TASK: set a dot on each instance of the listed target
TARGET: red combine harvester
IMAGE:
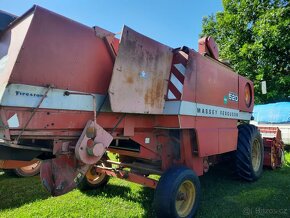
(69, 93)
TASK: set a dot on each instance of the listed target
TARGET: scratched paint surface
(140, 75)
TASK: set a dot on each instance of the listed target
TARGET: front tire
(177, 193)
(250, 153)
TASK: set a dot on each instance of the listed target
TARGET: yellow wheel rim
(185, 198)
(256, 155)
(93, 177)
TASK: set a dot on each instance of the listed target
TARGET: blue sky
(172, 22)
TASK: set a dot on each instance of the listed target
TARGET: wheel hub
(185, 198)
(181, 196)
(256, 155)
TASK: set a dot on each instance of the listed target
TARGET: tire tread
(244, 169)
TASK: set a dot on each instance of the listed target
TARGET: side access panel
(140, 76)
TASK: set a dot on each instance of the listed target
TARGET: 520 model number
(233, 97)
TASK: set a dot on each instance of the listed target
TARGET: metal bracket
(67, 93)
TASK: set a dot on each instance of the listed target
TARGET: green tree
(255, 36)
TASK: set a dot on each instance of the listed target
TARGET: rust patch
(129, 80)
(142, 83)
(154, 95)
(147, 97)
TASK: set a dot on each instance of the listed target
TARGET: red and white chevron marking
(178, 69)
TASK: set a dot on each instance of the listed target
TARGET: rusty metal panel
(59, 51)
(140, 76)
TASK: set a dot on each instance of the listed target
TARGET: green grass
(223, 196)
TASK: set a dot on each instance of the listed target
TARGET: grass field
(223, 196)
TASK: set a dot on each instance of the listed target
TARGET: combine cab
(69, 93)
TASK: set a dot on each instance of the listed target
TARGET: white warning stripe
(170, 95)
(173, 79)
(178, 85)
(181, 68)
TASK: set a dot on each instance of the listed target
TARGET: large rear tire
(177, 193)
(250, 153)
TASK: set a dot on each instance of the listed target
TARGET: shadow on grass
(225, 195)
(143, 196)
(16, 192)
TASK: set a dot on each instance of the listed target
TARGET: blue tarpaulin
(272, 113)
